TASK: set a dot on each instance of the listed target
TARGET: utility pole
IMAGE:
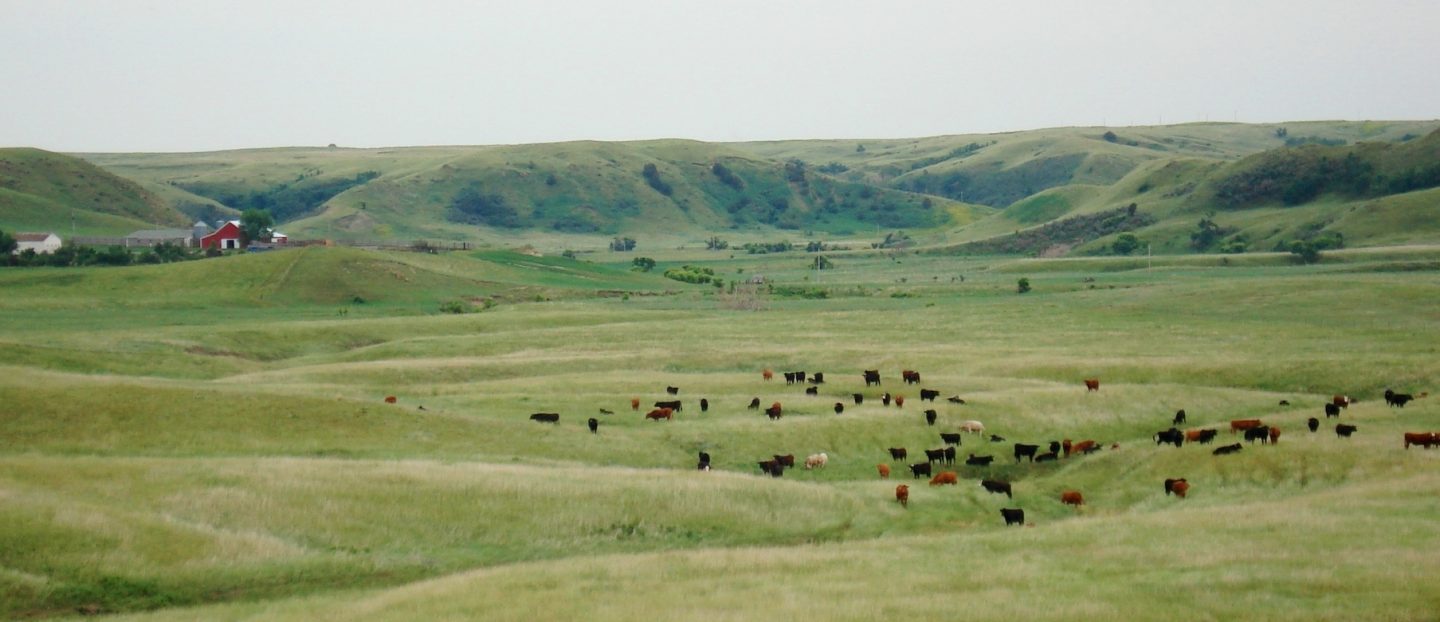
(1147, 256)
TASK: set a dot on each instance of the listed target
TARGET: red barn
(224, 238)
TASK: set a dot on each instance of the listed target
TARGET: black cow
(672, 405)
(1013, 516)
(789, 377)
(1284, 402)
(872, 376)
(1332, 410)
(1313, 424)
(839, 407)
(859, 398)
(1173, 436)
(1047, 457)
(935, 455)
(812, 391)
(950, 438)
(545, 417)
(1397, 399)
(950, 455)
(773, 413)
(1179, 417)
(1344, 430)
(705, 458)
(817, 378)
(930, 416)
(1021, 449)
(1054, 447)
(993, 486)
(754, 404)
(704, 405)
(1206, 436)
(594, 425)
(672, 390)
(606, 411)
(920, 468)
(955, 399)
(799, 376)
(885, 398)
(996, 438)
(772, 467)
(926, 395)
(1261, 433)
(975, 460)
(1228, 449)
(897, 453)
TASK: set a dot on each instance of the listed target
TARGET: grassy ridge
(43, 191)
(233, 448)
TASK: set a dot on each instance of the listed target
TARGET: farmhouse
(42, 243)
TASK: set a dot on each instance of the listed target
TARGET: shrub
(642, 264)
(1125, 244)
(1023, 285)
(456, 307)
(690, 274)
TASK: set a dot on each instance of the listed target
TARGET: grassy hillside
(209, 439)
(568, 188)
(43, 191)
(947, 190)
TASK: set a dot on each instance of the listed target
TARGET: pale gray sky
(190, 75)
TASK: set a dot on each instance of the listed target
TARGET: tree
(716, 244)
(1110, 137)
(821, 263)
(622, 244)
(1206, 234)
(254, 225)
(1023, 285)
(7, 245)
(1304, 251)
(652, 177)
(1125, 244)
(643, 264)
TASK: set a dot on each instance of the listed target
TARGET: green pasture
(210, 440)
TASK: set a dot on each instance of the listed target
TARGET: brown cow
(773, 411)
(884, 470)
(659, 413)
(1274, 435)
(1423, 439)
(899, 401)
(634, 403)
(788, 460)
(1072, 497)
(1177, 486)
(1092, 384)
(1082, 447)
(1342, 401)
(767, 374)
(945, 477)
(902, 494)
(389, 399)
(1244, 424)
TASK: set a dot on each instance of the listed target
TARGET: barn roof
(32, 237)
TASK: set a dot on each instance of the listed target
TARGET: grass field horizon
(210, 440)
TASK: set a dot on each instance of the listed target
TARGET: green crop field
(210, 439)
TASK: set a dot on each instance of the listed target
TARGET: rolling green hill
(1264, 183)
(44, 191)
(210, 439)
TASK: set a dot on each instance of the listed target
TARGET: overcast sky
(194, 75)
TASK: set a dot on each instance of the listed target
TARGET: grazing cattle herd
(1252, 429)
